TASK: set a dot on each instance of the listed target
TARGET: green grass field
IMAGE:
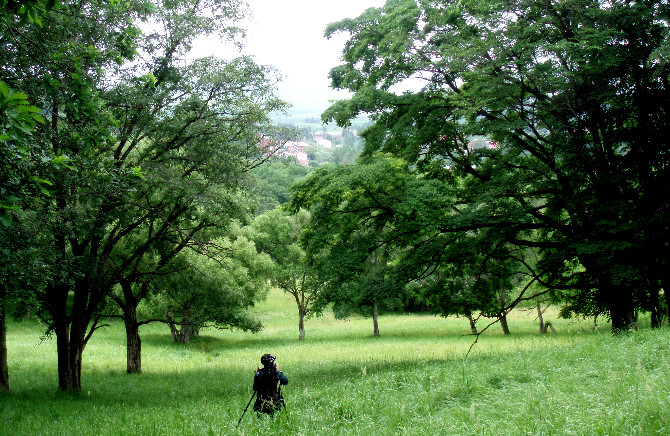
(413, 380)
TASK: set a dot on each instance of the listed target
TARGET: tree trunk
(621, 308)
(543, 328)
(65, 381)
(654, 302)
(174, 332)
(375, 320)
(301, 323)
(70, 352)
(186, 333)
(4, 369)
(503, 322)
(67, 361)
(77, 343)
(133, 342)
(183, 334)
(71, 331)
(473, 327)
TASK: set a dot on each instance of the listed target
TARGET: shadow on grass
(216, 383)
(188, 386)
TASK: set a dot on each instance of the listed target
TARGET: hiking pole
(283, 404)
(245, 409)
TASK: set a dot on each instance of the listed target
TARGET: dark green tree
(58, 78)
(270, 183)
(355, 231)
(203, 147)
(19, 178)
(572, 99)
(382, 232)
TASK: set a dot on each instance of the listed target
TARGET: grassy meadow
(413, 380)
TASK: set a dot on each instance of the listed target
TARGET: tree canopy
(157, 147)
(570, 99)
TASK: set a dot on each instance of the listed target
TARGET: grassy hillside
(413, 380)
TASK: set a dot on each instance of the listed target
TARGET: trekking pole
(283, 404)
(245, 409)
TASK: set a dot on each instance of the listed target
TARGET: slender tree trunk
(473, 326)
(77, 344)
(665, 284)
(301, 323)
(543, 328)
(375, 320)
(173, 329)
(57, 305)
(655, 308)
(503, 322)
(174, 332)
(63, 350)
(4, 369)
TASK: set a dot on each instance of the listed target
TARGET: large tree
(157, 146)
(572, 98)
(381, 231)
(195, 127)
(362, 215)
(56, 66)
(21, 164)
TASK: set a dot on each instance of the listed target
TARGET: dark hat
(268, 359)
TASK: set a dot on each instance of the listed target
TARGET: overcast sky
(288, 34)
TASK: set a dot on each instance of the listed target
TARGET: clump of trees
(137, 156)
(530, 157)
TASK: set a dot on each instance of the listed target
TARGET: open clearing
(414, 380)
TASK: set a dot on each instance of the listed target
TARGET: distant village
(303, 150)
(316, 148)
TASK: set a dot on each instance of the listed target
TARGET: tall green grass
(414, 380)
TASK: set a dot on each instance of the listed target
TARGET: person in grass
(267, 385)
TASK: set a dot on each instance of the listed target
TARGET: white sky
(288, 34)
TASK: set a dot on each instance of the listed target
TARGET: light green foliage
(277, 233)
(18, 118)
(212, 289)
(413, 380)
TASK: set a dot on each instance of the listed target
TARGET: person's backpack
(268, 399)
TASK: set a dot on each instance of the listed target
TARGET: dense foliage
(523, 125)
(152, 148)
